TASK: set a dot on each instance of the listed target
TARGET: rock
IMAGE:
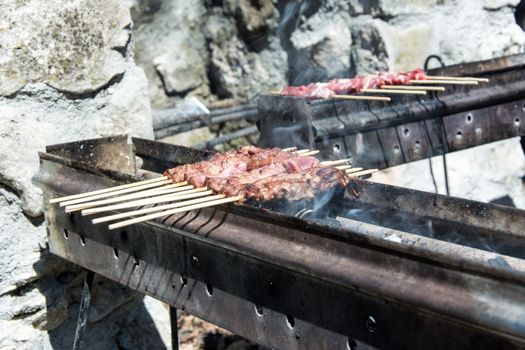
(393, 8)
(108, 296)
(494, 5)
(21, 244)
(171, 48)
(253, 19)
(328, 46)
(406, 47)
(369, 52)
(245, 76)
(181, 69)
(71, 48)
(253, 14)
(66, 73)
(122, 108)
(412, 32)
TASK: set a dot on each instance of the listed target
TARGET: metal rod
(84, 309)
(174, 328)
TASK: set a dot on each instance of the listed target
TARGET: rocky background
(66, 73)
(80, 69)
(238, 49)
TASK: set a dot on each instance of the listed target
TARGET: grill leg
(522, 142)
(174, 329)
(84, 310)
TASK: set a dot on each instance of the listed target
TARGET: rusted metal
(314, 282)
(409, 128)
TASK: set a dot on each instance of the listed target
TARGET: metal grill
(378, 266)
(411, 127)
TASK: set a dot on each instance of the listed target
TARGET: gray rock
(498, 4)
(244, 76)
(181, 69)
(411, 32)
(66, 73)
(328, 46)
(71, 48)
(21, 244)
(38, 115)
(253, 15)
(172, 49)
(369, 52)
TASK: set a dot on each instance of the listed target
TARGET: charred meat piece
(251, 163)
(303, 184)
(261, 174)
(232, 185)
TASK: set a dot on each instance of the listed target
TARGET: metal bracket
(84, 309)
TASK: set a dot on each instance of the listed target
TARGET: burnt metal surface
(288, 283)
(108, 153)
(409, 128)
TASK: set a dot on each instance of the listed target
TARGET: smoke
(300, 68)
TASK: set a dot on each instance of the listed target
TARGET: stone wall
(239, 48)
(66, 73)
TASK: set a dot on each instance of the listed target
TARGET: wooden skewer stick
(362, 97)
(353, 170)
(301, 151)
(290, 149)
(311, 153)
(139, 189)
(412, 87)
(173, 211)
(109, 189)
(333, 162)
(385, 91)
(444, 82)
(362, 173)
(480, 80)
(143, 194)
(154, 209)
(172, 191)
(343, 167)
(147, 201)
(346, 97)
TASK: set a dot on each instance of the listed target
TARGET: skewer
(480, 80)
(362, 173)
(289, 149)
(173, 191)
(385, 91)
(333, 162)
(154, 209)
(143, 194)
(412, 87)
(301, 151)
(173, 211)
(343, 167)
(353, 170)
(155, 200)
(139, 189)
(362, 97)
(104, 190)
(311, 153)
(346, 97)
(449, 82)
